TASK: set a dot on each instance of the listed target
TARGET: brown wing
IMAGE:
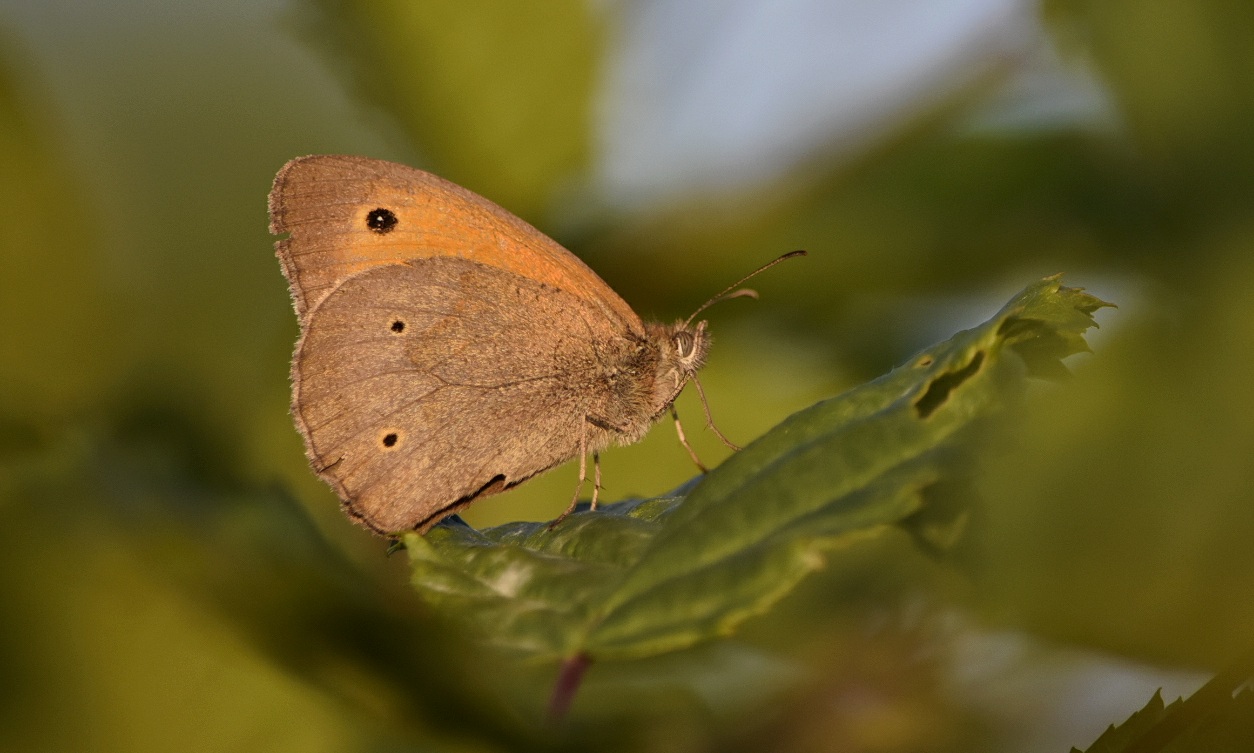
(328, 204)
(422, 385)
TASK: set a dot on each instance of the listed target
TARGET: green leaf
(1116, 739)
(644, 577)
(1215, 719)
(1119, 513)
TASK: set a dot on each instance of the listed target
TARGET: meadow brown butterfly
(449, 350)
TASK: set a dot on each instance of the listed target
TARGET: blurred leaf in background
(1122, 509)
(57, 348)
(172, 571)
(497, 96)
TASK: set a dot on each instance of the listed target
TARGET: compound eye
(684, 343)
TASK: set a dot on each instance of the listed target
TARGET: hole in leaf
(938, 391)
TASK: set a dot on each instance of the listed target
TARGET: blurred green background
(174, 577)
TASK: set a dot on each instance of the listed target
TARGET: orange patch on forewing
(331, 207)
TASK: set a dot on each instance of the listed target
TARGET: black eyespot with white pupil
(381, 220)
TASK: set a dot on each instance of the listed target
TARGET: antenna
(731, 291)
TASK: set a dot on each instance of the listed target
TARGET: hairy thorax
(642, 378)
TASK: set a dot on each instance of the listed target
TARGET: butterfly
(448, 349)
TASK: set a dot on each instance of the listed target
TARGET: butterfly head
(681, 349)
(689, 345)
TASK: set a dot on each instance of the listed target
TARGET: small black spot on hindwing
(381, 220)
(389, 438)
(398, 326)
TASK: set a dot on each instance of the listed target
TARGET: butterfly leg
(596, 478)
(683, 440)
(583, 474)
(709, 420)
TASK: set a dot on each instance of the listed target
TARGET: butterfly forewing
(349, 214)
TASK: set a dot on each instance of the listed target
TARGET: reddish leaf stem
(568, 680)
